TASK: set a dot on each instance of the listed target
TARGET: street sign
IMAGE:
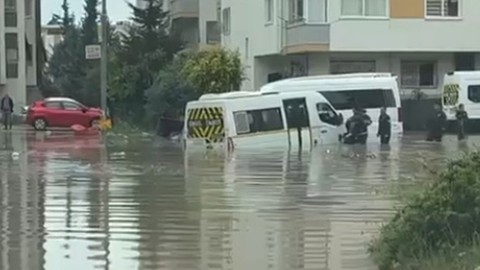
(93, 52)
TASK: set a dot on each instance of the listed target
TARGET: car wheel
(40, 124)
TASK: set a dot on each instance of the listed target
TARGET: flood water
(137, 203)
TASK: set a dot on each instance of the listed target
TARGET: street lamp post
(104, 59)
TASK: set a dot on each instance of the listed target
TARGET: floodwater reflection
(141, 204)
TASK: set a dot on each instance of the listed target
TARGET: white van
(239, 120)
(370, 91)
(461, 87)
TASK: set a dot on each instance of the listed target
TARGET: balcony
(302, 37)
(184, 9)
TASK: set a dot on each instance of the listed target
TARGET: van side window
(258, 121)
(326, 113)
(474, 93)
(364, 98)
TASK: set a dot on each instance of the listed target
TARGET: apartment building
(417, 40)
(19, 31)
(196, 21)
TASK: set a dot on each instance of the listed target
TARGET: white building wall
(25, 30)
(250, 34)
(207, 12)
(16, 87)
(30, 33)
(421, 35)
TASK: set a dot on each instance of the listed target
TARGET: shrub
(437, 221)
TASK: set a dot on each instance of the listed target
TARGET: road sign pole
(104, 60)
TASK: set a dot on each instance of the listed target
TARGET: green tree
(91, 88)
(170, 93)
(90, 22)
(215, 70)
(144, 52)
(66, 66)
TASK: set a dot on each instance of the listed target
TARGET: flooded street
(139, 204)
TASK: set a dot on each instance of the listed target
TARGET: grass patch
(439, 224)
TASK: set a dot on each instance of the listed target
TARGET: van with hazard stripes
(369, 91)
(239, 120)
(461, 87)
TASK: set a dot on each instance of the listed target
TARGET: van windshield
(363, 98)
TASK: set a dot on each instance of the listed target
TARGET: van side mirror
(340, 119)
(84, 110)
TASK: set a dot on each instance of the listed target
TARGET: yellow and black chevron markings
(451, 94)
(206, 123)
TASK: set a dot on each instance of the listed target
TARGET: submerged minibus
(242, 120)
(370, 91)
(461, 87)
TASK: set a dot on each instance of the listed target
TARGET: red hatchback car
(61, 112)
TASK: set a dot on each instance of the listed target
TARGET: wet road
(137, 203)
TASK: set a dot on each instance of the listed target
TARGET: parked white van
(370, 91)
(461, 87)
(239, 120)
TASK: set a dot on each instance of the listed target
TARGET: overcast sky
(117, 9)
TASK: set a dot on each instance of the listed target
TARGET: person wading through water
(6, 105)
(357, 127)
(461, 116)
(384, 127)
(436, 124)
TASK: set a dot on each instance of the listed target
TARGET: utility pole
(104, 60)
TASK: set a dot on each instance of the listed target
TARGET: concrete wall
(250, 34)
(421, 34)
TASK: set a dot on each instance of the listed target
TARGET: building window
(344, 67)
(363, 98)
(10, 13)
(327, 114)
(474, 93)
(312, 11)
(258, 121)
(268, 11)
(442, 8)
(53, 105)
(296, 10)
(213, 32)
(317, 11)
(11, 52)
(29, 53)
(364, 8)
(418, 74)
(226, 21)
(28, 7)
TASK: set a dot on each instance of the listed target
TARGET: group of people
(357, 125)
(437, 123)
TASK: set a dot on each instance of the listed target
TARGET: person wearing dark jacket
(384, 127)
(461, 116)
(436, 124)
(357, 127)
(6, 106)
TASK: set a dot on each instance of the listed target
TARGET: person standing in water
(384, 127)
(436, 124)
(6, 106)
(461, 116)
(357, 127)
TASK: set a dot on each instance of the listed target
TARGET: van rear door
(206, 125)
(450, 99)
